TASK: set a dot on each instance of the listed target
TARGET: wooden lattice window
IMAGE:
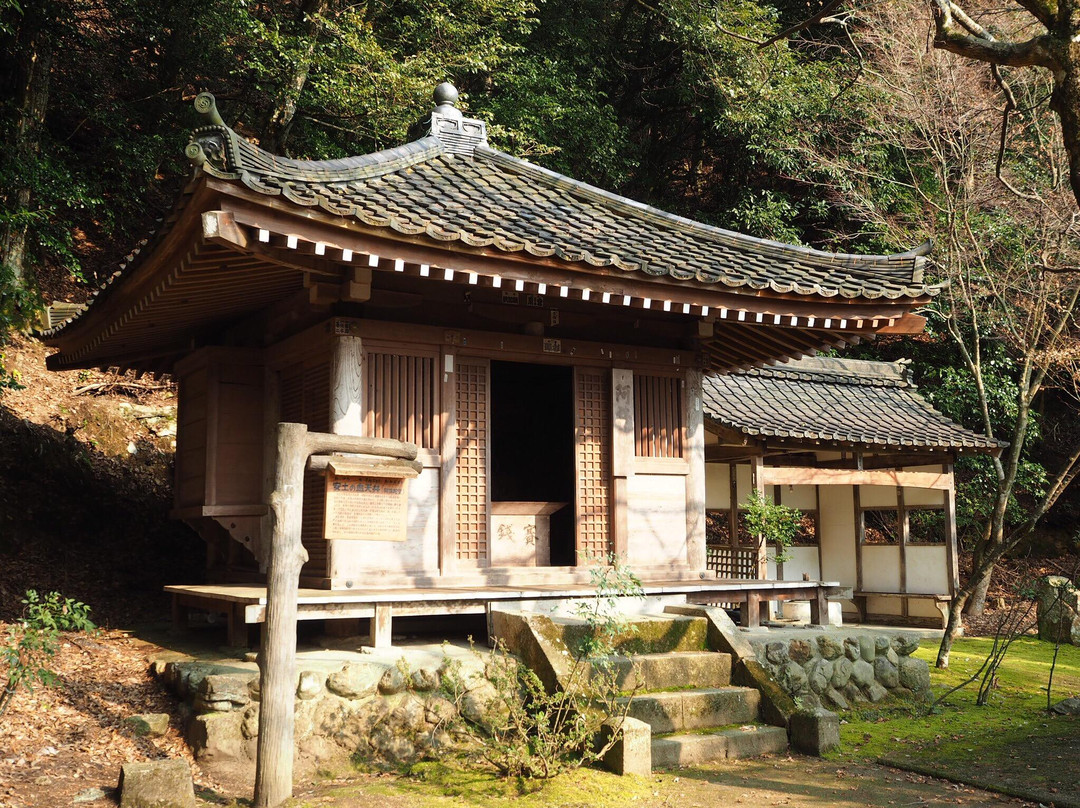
(658, 416)
(593, 460)
(472, 393)
(401, 398)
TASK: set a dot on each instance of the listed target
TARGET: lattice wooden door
(473, 399)
(592, 438)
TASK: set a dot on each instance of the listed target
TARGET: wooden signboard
(372, 508)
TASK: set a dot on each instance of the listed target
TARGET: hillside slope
(85, 468)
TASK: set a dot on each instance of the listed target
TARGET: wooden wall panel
(658, 416)
(472, 391)
(592, 408)
(191, 440)
(401, 397)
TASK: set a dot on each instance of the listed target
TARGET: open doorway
(532, 464)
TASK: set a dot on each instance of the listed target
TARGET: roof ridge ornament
(458, 134)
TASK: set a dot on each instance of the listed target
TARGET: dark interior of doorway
(532, 443)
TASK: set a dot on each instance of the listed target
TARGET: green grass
(449, 783)
(1009, 745)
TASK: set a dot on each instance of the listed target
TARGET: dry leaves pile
(56, 743)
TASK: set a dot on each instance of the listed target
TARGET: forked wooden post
(277, 656)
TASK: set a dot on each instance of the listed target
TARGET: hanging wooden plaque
(366, 508)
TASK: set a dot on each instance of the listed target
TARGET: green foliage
(527, 731)
(34, 640)
(19, 306)
(775, 524)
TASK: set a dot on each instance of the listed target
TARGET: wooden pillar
(381, 623)
(905, 533)
(951, 556)
(271, 417)
(277, 657)
(694, 452)
(346, 386)
(448, 466)
(757, 482)
(622, 455)
(860, 532)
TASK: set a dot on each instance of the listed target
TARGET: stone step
(683, 710)
(647, 672)
(643, 634)
(745, 741)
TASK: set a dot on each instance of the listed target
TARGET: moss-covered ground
(1009, 745)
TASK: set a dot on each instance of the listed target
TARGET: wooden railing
(740, 563)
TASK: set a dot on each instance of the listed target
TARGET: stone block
(800, 651)
(1058, 609)
(631, 753)
(150, 725)
(829, 647)
(836, 699)
(875, 692)
(862, 673)
(221, 692)
(217, 736)
(886, 672)
(793, 678)
(866, 647)
(815, 731)
(819, 674)
(851, 648)
(906, 644)
(841, 672)
(356, 680)
(156, 784)
(309, 685)
(424, 680)
(914, 674)
(1069, 706)
(776, 653)
(882, 645)
(392, 681)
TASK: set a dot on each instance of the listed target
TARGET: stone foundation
(361, 710)
(840, 670)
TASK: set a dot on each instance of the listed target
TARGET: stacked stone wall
(840, 671)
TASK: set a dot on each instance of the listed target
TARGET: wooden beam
(622, 455)
(907, 324)
(780, 475)
(715, 453)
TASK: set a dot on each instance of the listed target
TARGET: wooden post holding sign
(277, 657)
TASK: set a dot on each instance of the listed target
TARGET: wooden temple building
(865, 459)
(541, 341)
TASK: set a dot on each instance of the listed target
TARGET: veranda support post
(277, 656)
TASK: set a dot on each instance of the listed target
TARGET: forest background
(851, 134)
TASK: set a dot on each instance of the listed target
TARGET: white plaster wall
(924, 496)
(927, 570)
(717, 486)
(881, 568)
(656, 519)
(836, 529)
(798, 496)
(877, 496)
(419, 551)
(800, 560)
(742, 475)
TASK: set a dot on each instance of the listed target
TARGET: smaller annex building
(868, 462)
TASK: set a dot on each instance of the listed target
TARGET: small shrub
(525, 731)
(774, 523)
(33, 640)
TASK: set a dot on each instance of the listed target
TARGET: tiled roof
(451, 187)
(836, 401)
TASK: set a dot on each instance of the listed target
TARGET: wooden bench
(940, 602)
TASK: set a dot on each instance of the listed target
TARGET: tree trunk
(1065, 101)
(977, 602)
(31, 65)
(280, 121)
(953, 628)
